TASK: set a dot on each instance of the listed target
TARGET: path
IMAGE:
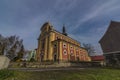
(46, 69)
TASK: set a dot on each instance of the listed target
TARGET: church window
(43, 44)
(71, 53)
(71, 47)
(65, 52)
(64, 45)
(57, 37)
(55, 45)
(77, 49)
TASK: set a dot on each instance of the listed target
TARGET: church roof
(67, 36)
(46, 23)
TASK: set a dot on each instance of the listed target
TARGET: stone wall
(112, 60)
(50, 65)
(4, 62)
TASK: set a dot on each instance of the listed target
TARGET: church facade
(56, 46)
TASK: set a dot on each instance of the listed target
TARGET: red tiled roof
(97, 58)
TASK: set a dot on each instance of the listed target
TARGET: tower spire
(64, 30)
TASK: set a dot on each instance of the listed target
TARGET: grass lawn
(85, 74)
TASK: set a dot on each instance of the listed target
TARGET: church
(56, 46)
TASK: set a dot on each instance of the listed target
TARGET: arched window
(55, 46)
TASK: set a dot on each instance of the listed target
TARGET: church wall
(60, 57)
(65, 51)
(73, 52)
(77, 54)
(45, 49)
(81, 55)
(38, 51)
(51, 46)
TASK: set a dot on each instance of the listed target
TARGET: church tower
(64, 31)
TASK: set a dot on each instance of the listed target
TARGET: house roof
(97, 58)
(114, 26)
(110, 42)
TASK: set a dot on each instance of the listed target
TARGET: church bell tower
(64, 31)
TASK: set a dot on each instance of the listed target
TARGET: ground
(81, 74)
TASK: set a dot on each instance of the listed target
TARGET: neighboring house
(56, 46)
(110, 44)
(97, 58)
(30, 55)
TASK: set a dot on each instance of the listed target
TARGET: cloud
(92, 37)
(86, 21)
(65, 6)
(97, 11)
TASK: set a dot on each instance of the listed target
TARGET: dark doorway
(41, 57)
(55, 57)
(77, 58)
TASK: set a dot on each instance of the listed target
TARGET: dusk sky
(85, 20)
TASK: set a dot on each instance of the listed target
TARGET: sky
(85, 20)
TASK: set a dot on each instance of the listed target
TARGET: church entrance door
(55, 57)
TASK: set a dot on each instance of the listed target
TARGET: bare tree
(89, 48)
(20, 53)
(11, 46)
(2, 44)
